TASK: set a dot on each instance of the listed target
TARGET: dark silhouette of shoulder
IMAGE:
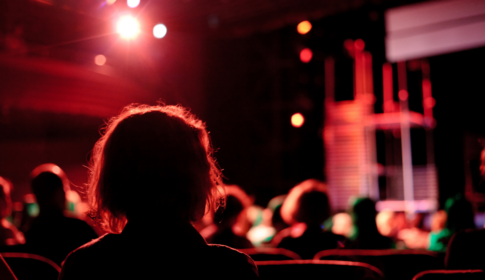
(112, 256)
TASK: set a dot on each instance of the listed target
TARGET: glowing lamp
(128, 27)
(99, 60)
(297, 120)
(304, 27)
(159, 31)
(306, 55)
(133, 3)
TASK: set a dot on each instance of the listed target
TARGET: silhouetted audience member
(232, 228)
(364, 232)
(9, 235)
(459, 216)
(306, 208)
(52, 234)
(152, 173)
(466, 250)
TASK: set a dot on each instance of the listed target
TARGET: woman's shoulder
(233, 260)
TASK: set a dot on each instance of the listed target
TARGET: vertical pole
(407, 164)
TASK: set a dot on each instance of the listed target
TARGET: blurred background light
(128, 27)
(306, 55)
(159, 31)
(359, 45)
(100, 60)
(110, 2)
(304, 27)
(133, 3)
(297, 120)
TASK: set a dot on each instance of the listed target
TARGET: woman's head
(152, 161)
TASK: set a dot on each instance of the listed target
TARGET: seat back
(395, 264)
(29, 266)
(270, 254)
(471, 274)
(317, 269)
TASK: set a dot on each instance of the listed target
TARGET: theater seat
(470, 274)
(29, 266)
(395, 264)
(270, 254)
(316, 269)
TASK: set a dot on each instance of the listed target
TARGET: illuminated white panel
(429, 29)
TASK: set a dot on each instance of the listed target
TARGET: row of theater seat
(283, 264)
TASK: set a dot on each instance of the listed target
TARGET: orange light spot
(403, 94)
(304, 27)
(100, 60)
(306, 55)
(297, 120)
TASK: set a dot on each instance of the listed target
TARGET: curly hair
(152, 160)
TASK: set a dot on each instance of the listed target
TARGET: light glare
(159, 31)
(128, 27)
(133, 3)
(297, 120)
(110, 2)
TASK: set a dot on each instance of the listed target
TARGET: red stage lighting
(306, 55)
(297, 120)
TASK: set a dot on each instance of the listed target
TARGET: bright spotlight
(297, 120)
(128, 27)
(133, 3)
(100, 60)
(159, 31)
(304, 27)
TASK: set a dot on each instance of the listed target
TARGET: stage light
(133, 3)
(304, 27)
(128, 27)
(110, 2)
(159, 31)
(100, 60)
(297, 120)
(306, 55)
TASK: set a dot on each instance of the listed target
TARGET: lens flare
(128, 27)
(100, 60)
(159, 31)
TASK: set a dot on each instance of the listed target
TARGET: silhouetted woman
(152, 174)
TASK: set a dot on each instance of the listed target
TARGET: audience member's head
(274, 206)
(235, 212)
(5, 201)
(363, 212)
(306, 203)
(459, 212)
(152, 160)
(49, 185)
